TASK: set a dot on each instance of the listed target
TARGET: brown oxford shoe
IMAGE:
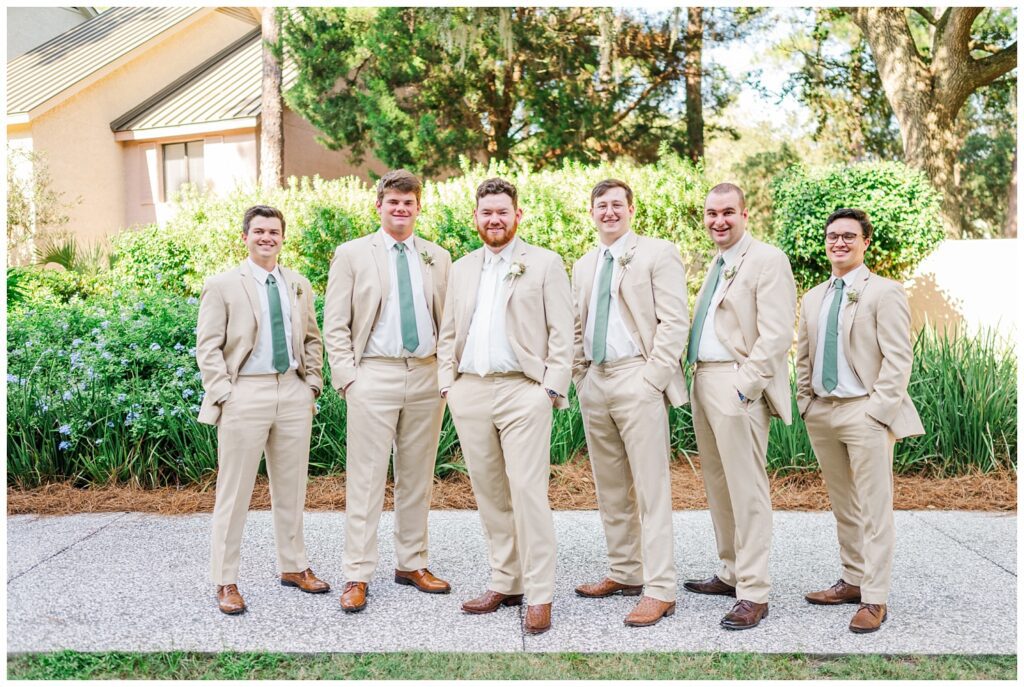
(353, 598)
(839, 593)
(712, 585)
(229, 600)
(744, 615)
(306, 581)
(423, 580)
(538, 619)
(649, 611)
(868, 618)
(607, 587)
(490, 601)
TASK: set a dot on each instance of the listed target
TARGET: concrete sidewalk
(135, 582)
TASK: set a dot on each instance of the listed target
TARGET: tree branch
(985, 47)
(958, 29)
(988, 69)
(926, 13)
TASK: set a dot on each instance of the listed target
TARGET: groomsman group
(499, 336)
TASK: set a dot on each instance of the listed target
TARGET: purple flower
(64, 429)
(64, 445)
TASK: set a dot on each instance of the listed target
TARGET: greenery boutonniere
(297, 289)
(626, 259)
(515, 270)
(731, 272)
(852, 296)
(428, 259)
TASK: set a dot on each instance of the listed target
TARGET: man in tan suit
(854, 357)
(504, 358)
(631, 324)
(739, 342)
(259, 352)
(385, 294)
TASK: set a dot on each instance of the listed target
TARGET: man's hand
(553, 395)
(444, 392)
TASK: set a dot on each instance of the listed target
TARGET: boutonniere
(852, 295)
(626, 259)
(428, 259)
(297, 289)
(515, 270)
(731, 272)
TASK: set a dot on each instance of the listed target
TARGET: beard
(498, 240)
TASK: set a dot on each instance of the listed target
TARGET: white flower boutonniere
(515, 270)
(428, 259)
(297, 289)
(625, 260)
(731, 272)
(852, 295)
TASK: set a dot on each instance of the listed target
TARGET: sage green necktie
(830, 371)
(604, 300)
(279, 345)
(702, 310)
(410, 337)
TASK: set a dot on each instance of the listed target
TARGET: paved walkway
(135, 582)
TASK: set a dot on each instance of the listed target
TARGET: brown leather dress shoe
(744, 615)
(607, 587)
(423, 580)
(229, 600)
(490, 601)
(868, 618)
(306, 581)
(649, 611)
(353, 597)
(712, 585)
(538, 619)
(839, 593)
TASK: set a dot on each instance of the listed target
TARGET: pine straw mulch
(571, 488)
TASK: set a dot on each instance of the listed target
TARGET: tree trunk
(1010, 231)
(271, 108)
(692, 69)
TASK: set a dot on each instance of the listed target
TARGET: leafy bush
(902, 205)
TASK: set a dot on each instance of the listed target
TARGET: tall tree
(693, 45)
(271, 105)
(927, 88)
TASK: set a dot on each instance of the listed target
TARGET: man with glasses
(854, 358)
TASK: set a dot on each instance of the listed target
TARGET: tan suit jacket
(357, 289)
(754, 321)
(876, 341)
(652, 302)
(229, 320)
(538, 311)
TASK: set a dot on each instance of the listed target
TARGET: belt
(717, 365)
(267, 375)
(838, 400)
(407, 363)
(620, 364)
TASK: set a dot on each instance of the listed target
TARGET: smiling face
(846, 251)
(497, 220)
(612, 214)
(264, 240)
(398, 211)
(725, 218)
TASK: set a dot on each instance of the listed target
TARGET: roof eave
(219, 127)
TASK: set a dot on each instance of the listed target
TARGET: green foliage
(902, 205)
(755, 174)
(17, 290)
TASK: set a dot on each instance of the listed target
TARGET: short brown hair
(726, 187)
(495, 187)
(401, 180)
(852, 213)
(261, 211)
(607, 185)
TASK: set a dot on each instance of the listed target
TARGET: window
(183, 164)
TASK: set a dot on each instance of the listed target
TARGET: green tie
(278, 343)
(604, 300)
(410, 338)
(830, 373)
(702, 310)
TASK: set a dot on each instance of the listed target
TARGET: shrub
(902, 205)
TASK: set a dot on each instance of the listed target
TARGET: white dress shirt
(618, 343)
(487, 348)
(849, 385)
(386, 338)
(711, 350)
(261, 360)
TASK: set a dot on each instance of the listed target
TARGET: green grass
(518, 666)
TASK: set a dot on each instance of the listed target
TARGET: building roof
(226, 88)
(61, 62)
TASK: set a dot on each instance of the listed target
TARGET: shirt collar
(503, 254)
(618, 248)
(731, 254)
(389, 241)
(850, 278)
(260, 274)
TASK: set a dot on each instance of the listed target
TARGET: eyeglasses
(848, 237)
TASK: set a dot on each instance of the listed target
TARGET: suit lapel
(428, 279)
(850, 311)
(380, 258)
(291, 285)
(249, 286)
(508, 284)
(720, 296)
(587, 274)
(815, 297)
(475, 268)
(630, 250)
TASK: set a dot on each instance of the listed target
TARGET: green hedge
(108, 391)
(902, 205)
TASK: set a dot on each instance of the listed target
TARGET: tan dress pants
(271, 414)
(393, 407)
(504, 426)
(855, 453)
(732, 439)
(626, 423)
